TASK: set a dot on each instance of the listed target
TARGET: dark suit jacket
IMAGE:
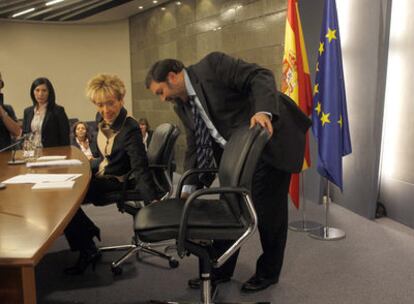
(232, 91)
(5, 138)
(128, 153)
(55, 128)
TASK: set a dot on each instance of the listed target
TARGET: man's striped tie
(204, 144)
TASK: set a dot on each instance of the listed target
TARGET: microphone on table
(13, 146)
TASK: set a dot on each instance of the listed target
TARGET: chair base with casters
(134, 249)
(196, 222)
(160, 158)
(136, 245)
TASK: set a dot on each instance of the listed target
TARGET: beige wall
(68, 55)
(252, 30)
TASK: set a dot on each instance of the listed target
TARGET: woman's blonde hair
(102, 86)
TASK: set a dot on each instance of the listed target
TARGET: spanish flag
(296, 80)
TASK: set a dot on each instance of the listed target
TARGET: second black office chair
(160, 158)
(197, 222)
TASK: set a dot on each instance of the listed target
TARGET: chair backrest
(238, 162)
(93, 128)
(72, 121)
(161, 153)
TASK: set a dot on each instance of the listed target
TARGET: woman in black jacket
(121, 151)
(45, 119)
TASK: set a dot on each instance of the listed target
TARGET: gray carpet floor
(373, 264)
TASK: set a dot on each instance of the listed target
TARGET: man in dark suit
(229, 93)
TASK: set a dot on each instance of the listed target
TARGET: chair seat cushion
(208, 219)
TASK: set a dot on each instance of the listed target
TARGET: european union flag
(329, 115)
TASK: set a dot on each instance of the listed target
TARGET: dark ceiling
(70, 10)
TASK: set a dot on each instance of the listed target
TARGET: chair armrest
(244, 193)
(187, 174)
(169, 191)
(125, 184)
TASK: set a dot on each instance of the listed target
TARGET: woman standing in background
(45, 119)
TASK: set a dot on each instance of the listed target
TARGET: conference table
(31, 220)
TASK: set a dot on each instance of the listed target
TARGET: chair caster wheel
(173, 263)
(116, 270)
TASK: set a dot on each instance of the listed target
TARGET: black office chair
(196, 222)
(160, 157)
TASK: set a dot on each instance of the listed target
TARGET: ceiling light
(23, 12)
(141, 7)
(178, 3)
(155, 1)
(53, 2)
(163, 8)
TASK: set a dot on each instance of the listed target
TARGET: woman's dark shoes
(85, 259)
(256, 283)
(195, 283)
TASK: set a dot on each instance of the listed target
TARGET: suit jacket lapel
(29, 119)
(199, 91)
(47, 117)
(184, 112)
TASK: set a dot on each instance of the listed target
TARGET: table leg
(17, 284)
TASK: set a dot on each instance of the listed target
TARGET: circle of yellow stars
(324, 117)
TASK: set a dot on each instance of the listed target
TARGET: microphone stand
(13, 160)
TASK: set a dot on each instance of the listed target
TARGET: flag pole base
(304, 226)
(327, 234)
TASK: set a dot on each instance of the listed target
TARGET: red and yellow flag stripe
(296, 79)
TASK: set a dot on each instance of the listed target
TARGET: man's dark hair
(159, 70)
(51, 100)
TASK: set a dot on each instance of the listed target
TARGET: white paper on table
(51, 157)
(41, 178)
(53, 163)
(54, 185)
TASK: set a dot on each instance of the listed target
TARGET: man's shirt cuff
(189, 188)
(267, 113)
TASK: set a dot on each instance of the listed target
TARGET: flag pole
(303, 225)
(327, 233)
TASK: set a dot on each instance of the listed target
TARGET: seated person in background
(121, 151)
(8, 123)
(146, 132)
(82, 139)
(45, 119)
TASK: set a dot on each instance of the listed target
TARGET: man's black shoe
(256, 283)
(195, 283)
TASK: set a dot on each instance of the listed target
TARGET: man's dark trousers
(269, 193)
